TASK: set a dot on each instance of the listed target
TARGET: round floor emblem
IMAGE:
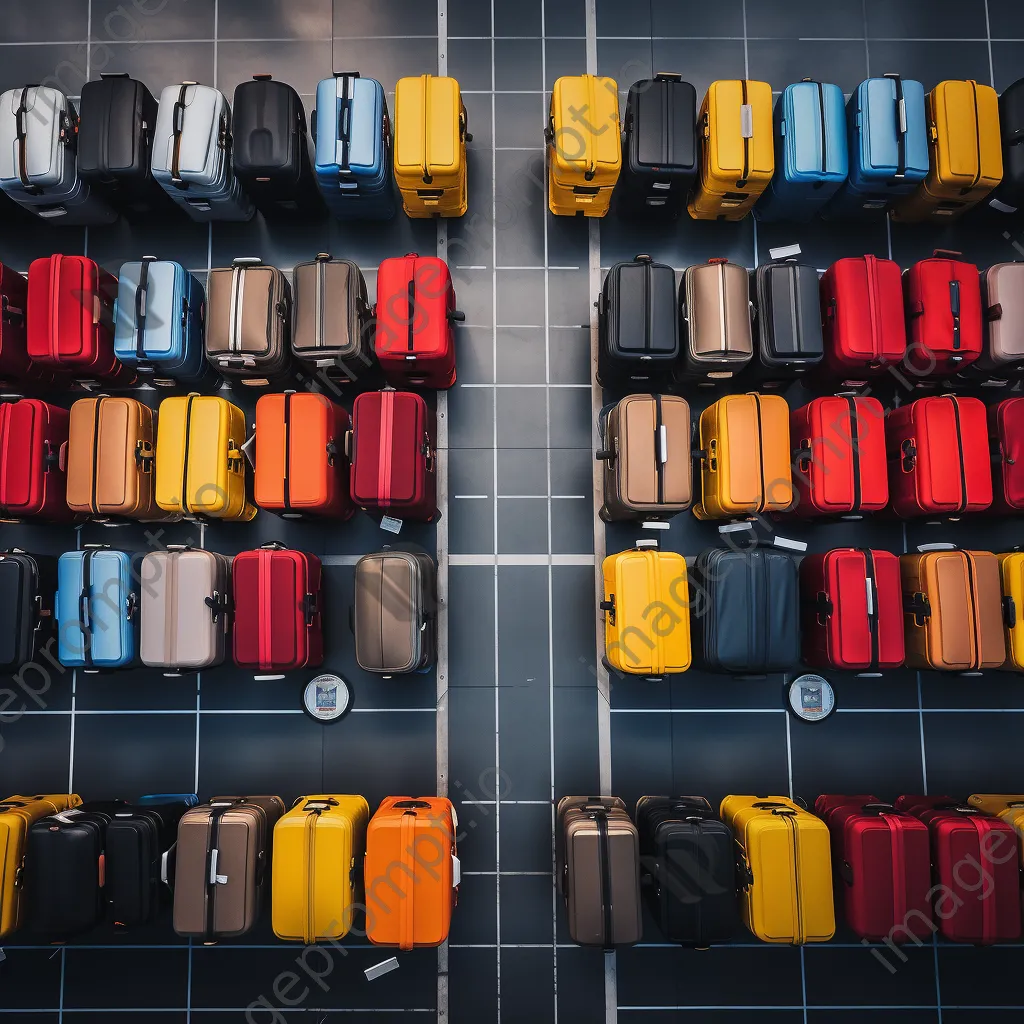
(811, 697)
(327, 698)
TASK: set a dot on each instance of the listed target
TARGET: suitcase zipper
(897, 852)
(94, 506)
(387, 426)
(309, 932)
(855, 452)
(954, 308)
(799, 937)
(975, 611)
(318, 302)
(824, 136)
(763, 483)
(977, 139)
(185, 453)
(648, 303)
(54, 338)
(723, 322)
(411, 313)
(901, 129)
(872, 280)
(237, 292)
(424, 129)
(746, 131)
(962, 504)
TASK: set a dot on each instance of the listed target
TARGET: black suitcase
(28, 584)
(1010, 192)
(688, 869)
(271, 149)
(638, 323)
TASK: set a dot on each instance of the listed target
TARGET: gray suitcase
(716, 320)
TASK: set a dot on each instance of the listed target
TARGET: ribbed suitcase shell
(787, 319)
(1006, 434)
(717, 335)
(33, 460)
(1011, 575)
(1009, 193)
(27, 586)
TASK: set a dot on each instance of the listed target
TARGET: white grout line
(516, 559)
(992, 82)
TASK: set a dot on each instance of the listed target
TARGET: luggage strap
(897, 847)
(821, 125)
(760, 453)
(170, 626)
(660, 448)
(851, 403)
(989, 906)
(286, 482)
(236, 305)
(345, 126)
(185, 453)
(871, 593)
(411, 313)
(312, 817)
(265, 603)
(94, 506)
(406, 909)
(977, 139)
(177, 128)
(901, 128)
(22, 139)
(425, 129)
(799, 933)
(954, 309)
(962, 504)
(54, 338)
(604, 869)
(212, 879)
(746, 132)
(387, 440)
(972, 587)
(85, 609)
(141, 302)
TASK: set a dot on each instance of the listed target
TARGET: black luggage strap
(94, 481)
(411, 312)
(977, 139)
(901, 128)
(211, 880)
(822, 606)
(745, 106)
(1009, 612)
(13, 315)
(22, 140)
(871, 588)
(918, 605)
(962, 505)
(141, 301)
(219, 605)
(660, 448)
(287, 501)
(604, 868)
(760, 453)
(177, 127)
(954, 308)
(855, 452)
(185, 452)
(85, 610)
(345, 123)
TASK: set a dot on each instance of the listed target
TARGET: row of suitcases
(757, 610)
(326, 866)
(903, 872)
(71, 322)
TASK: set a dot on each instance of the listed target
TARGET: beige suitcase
(717, 334)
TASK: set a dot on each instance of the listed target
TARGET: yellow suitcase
(786, 893)
(965, 155)
(316, 883)
(1009, 807)
(1011, 574)
(200, 468)
(745, 457)
(584, 145)
(737, 152)
(431, 132)
(646, 612)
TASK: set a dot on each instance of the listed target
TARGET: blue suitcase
(352, 135)
(888, 144)
(810, 152)
(96, 609)
(151, 799)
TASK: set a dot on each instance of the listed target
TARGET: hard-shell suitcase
(964, 152)
(839, 463)
(393, 457)
(745, 457)
(184, 608)
(415, 317)
(110, 458)
(27, 585)
(939, 457)
(811, 160)
(200, 468)
(186, 799)
(785, 869)
(1002, 353)
(584, 149)
(715, 310)
(737, 159)
(648, 469)
(278, 609)
(1008, 806)
(637, 643)
(33, 460)
(598, 864)
(688, 869)
(415, 910)
(395, 612)
(1011, 575)
(319, 847)
(1008, 195)
(852, 610)
(17, 371)
(1006, 433)
(953, 610)
(301, 465)
(787, 318)
(659, 146)
(638, 322)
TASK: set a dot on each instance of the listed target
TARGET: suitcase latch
(1009, 612)
(918, 605)
(218, 605)
(143, 456)
(823, 607)
(609, 607)
(908, 452)
(309, 608)
(12, 315)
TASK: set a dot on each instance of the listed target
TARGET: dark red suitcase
(1006, 430)
(277, 609)
(415, 315)
(944, 326)
(839, 463)
(33, 450)
(882, 858)
(939, 458)
(863, 326)
(393, 458)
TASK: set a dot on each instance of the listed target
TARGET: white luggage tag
(166, 858)
(782, 252)
(216, 879)
(248, 449)
(379, 970)
(937, 546)
(456, 871)
(390, 524)
(747, 121)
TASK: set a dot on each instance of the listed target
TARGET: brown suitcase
(648, 472)
(111, 458)
(715, 308)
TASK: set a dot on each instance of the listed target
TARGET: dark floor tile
(803, 19)
(475, 1000)
(521, 355)
(472, 756)
(384, 18)
(38, 974)
(526, 838)
(924, 19)
(151, 979)
(933, 62)
(995, 690)
(475, 921)
(520, 298)
(524, 715)
(468, 18)
(522, 418)
(470, 413)
(669, 18)
(97, 1016)
(569, 299)
(957, 967)
(116, 21)
(181, 239)
(478, 111)
(896, 1016)
(526, 912)
(158, 66)
(642, 755)
(387, 60)
(34, 754)
(818, 243)
(59, 65)
(565, 18)
(266, 19)
(527, 986)
(520, 19)
(570, 518)
(1006, 19)
(517, 64)
(519, 211)
(141, 689)
(51, 20)
(563, 57)
(471, 501)
(471, 652)
(519, 119)
(570, 411)
(702, 690)
(580, 983)
(522, 525)
(616, 19)
(474, 292)
(478, 837)
(522, 471)
(569, 355)
(981, 757)
(1006, 63)
(301, 64)
(780, 62)
(572, 623)
(469, 62)
(625, 60)
(867, 981)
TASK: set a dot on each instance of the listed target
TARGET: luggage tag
(783, 252)
(248, 449)
(379, 970)
(811, 697)
(216, 879)
(391, 524)
(1002, 207)
(774, 540)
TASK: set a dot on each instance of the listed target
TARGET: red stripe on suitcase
(384, 465)
(898, 848)
(989, 920)
(266, 606)
(54, 306)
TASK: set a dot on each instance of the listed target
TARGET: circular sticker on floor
(811, 697)
(327, 698)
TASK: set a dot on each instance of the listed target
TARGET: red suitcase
(1006, 430)
(939, 458)
(33, 449)
(839, 462)
(392, 451)
(944, 331)
(852, 610)
(277, 608)
(415, 322)
(862, 317)
(882, 857)
(16, 369)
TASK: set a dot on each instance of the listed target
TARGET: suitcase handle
(609, 607)
(953, 254)
(668, 76)
(263, 77)
(1009, 612)
(320, 805)
(918, 605)
(908, 455)
(309, 607)
(346, 74)
(272, 545)
(412, 805)
(994, 312)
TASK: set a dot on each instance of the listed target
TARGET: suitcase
(431, 132)
(787, 317)
(634, 582)
(110, 458)
(1008, 195)
(938, 457)
(415, 317)
(206, 478)
(785, 869)
(882, 864)
(1003, 312)
(689, 869)
(648, 469)
(417, 911)
(33, 460)
(352, 135)
(301, 465)
(278, 609)
(599, 871)
(839, 462)
(319, 847)
(393, 455)
(27, 585)
(852, 610)
(333, 326)
(964, 152)
(715, 315)
(1011, 575)
(584, 147)
(222, 865)
(638, 323)
(17, 371)
(745, 457)
(953, 610)
(1008, 806)
(395, 612)
(659, 146)
(737, 159)
(184, 608)
(811, 161)
(1006, 433)
(188, 799)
